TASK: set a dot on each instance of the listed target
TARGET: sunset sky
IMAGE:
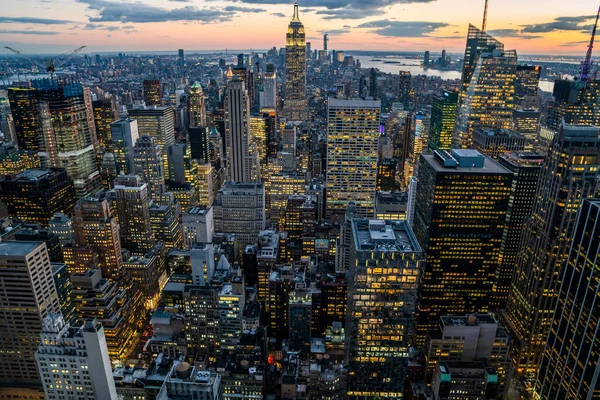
(530, 26)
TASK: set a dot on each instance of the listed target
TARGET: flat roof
(18, 248)
(489, 166)
(384, 236)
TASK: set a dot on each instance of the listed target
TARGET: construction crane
(51, 64)
(586, 65)
(485, 12)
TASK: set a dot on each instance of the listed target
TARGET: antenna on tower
(586, 65)
(483, 26)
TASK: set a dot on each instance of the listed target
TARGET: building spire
(586, 65)
(296, 17)
(485, 11)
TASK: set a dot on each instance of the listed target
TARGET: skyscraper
(569, 367)
(148, 158)
(478, 42)
(181, 58)
(24, 103)
(384, 269)
(488, 101)
(527, 82)
(196, 106)
(153, 92)
(460, 230)
(133, 209)
(569, 175)
(443, 119)
(95, 227)
(124, 135)
(352, 140)
(237, 132)
(83, 349)
(105, 112)
(295, 105)
(269, 99)
(28, 295)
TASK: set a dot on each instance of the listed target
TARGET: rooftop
(463, 161)
(384, 236)
(19, 248)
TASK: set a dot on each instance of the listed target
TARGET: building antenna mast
(586, 66)
(485, 11)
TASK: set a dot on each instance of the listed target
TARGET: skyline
(46, 26)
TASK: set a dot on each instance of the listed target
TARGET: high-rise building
(527, 82)
(158, 123)
(478, 42)
(181, 59)
(259, 137)
(28, 295)
(95, 227)
(352, 141)
(527, 123)
(232, 299)
(147, 157)
(35, 195)
(124, 135)
(133, 209)
(240, 209)
(149, 273)
(576, 102)
(153, 92)
(418, 140)
(24, 106)
(569, 175)
(295, 106)
(288, 139)
(200, 143)
(526, 167)
(83, 349)
(385, 269)
(14, 161)
(443, 119)
(460, 232)
(300, 309)
(404, 89)
(488, 102)
(196, 106)
(569, 367)
(198, 226)
(203, 331)
(105, 112)
(269, 99)
(165, 217)
(495, 142)
(237, 132)
(61, 226)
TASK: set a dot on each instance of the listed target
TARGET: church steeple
(296, 18)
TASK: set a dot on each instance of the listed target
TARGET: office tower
(95, 227)
(466, 339)
(489, 100)
(240, 209)
(83, 349)
(569, 367)
(461, 253)
(459, 380)
(237, 132)
(61, 226)
(267, 255)
(124, 135)
(373, 83)
(418, 140)
(576, 102)
(159, 124)
(133, 209)
(426, 57)
(35, 195)
(202, 258)
(527, 82)
(569, 175)
(108, 170)
(386, 174)
(147, 157)
(352, 139)
(259, 137)
(196, 106)
(165, 216)
(325, 40)
(300, 218)
(28, 295)
(443, 119)
(148, 271)
(198, 226)
(478, 42)
(526, 167)
(282, 281)
(188, 381)
(113, 306)
(232, 299)
(181, 58)
(200, 145)
(206, 185)
(384, 268)
(527, 123)
(495, 142)
(14, 161)
(391, 206)
(278, 187)
(404, 89)
(153, 92)
(288, 139)
(24, 105)
(269, 99)
(105, 112)
(203, 331)
(33, 233)
(182, 168)
(295, 106)
(64, 290)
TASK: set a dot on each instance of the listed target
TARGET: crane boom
(485, 12)
(17, 52)
(69, 55)
(586, 66)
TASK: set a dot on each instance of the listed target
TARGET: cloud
(129, 12)
(561, 24)
(91, 27)
(334, 4)
(512, 33)
(347, 13)
(25, 32)
(412, 29)
(128, 27)
(181, 1)
(31, 20)
(336, 32)
(280, 15)
(568, 44)
(244, 9)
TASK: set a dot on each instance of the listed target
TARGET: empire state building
(295, 106)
